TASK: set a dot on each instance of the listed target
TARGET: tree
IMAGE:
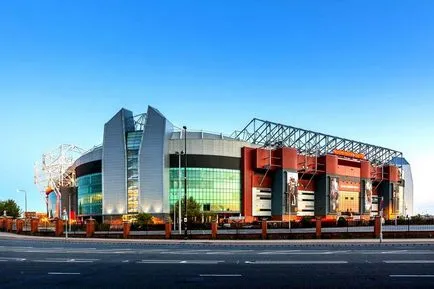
(194, 209)
(144, 219)
(11, 208)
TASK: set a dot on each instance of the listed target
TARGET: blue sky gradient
(356, 69)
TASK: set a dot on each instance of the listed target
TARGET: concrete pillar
(90, 228)
(214, 230)
(264, 229)
(318, 228)
(20, 225)
(377, 227)
(34, 225)
(168, 227)
(58, 226)
(127, 228)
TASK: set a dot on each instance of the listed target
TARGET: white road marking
(3, 260)
(334, 252)
(394, 252)
(411, 276)
(125, 261)
(220, 275)
(283, 252)
(158, 262)
(203, 262)
(63, 273)
(12, 259)
(409, 261)
(295, 262)
(55, 260)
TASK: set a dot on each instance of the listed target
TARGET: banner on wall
(395, 199)
(334, 195)
(368, 196)
(292, 190)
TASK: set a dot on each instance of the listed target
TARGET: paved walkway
(222, 242)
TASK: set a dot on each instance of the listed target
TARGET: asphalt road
(26, 263)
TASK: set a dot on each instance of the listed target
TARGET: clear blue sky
(357, 69)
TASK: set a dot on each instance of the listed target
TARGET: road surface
(29, 263)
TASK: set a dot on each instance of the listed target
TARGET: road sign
(65, 215)
(185, 220)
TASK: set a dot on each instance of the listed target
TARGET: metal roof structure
(267, 133)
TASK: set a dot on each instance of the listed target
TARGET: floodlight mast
(55, 171)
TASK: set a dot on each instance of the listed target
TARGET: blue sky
(357, 69)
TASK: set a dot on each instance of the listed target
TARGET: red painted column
(264, 229)
(9, 222)
(127, 228)
(90, 228)
(318, 228)
(214, 230)
(58, 223)
(168, 227)
(20, 225)
(34, 225)
(377, 227)
(2, 223)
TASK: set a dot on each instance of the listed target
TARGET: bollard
(34, 225)
(168, 227)
(264, 229)
(377, 227)
(214, 230)
(318, 228)
(90, 228)
(20, 225)
(58, 226)
(127, 228)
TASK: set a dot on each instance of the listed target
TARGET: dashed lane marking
(294, 262)
(63, 273)
(409, 261)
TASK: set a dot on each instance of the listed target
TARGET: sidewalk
(11, 236)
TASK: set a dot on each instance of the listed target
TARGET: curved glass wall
(217, 190)
(89, 193)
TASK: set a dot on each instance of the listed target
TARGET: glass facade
(89, 191)
(217, 190)
(133, 145)
(52, 199)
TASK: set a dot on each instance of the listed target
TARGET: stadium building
(266, 170)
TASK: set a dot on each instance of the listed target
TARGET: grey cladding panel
(154, 164)
(114, 163)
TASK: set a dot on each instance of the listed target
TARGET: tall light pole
(25, 206)
(185, 182)
(25, 201)
(179, 193)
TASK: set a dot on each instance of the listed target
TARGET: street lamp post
(25, 200)
(185, 182)
(179, 193)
